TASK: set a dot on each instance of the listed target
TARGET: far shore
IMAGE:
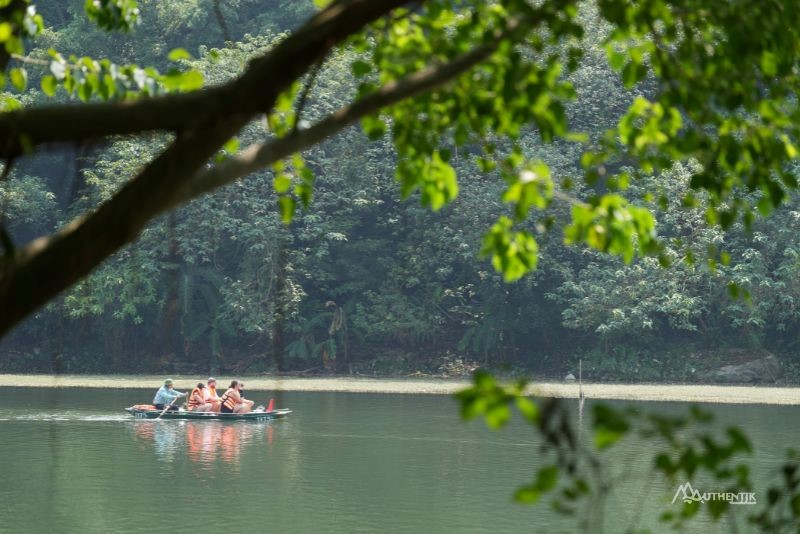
(434, 386)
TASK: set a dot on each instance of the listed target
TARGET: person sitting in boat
(166, 396)
(197, 401)
(248, 403)
(210, 394)
(233, 400)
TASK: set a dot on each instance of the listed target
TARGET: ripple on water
(66, 416)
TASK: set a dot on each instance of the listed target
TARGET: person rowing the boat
(197, 401)
(166, 395)
(210, 393)
(233, 400)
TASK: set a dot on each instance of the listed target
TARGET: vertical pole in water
(581, 398)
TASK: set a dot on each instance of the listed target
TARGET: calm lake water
(72, 461)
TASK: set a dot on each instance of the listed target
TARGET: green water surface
(72, 461)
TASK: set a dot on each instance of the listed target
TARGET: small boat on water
(148, 411)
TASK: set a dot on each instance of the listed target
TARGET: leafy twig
(301, 102)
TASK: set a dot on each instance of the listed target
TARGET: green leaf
(361, 68)
(9, 103)
(374, 127)
(769, 65)
(177, 54)
(611, 225)
(609, 426)
(605, 437)
(633, 73)
(527, 495)
(85, 92)
(528, 409)
(796, 505)
(287, 205)
(228, 149)
(439, 183)
(231, 145)
(49, 84)
(717, 507)
(282, 183)
(616, 59)
(531, 187)
(739, 441)
(497, 415)
(19, 78)
(188, 81)
(113, 14)
(547, 478)
(6, 31)
(513, 253)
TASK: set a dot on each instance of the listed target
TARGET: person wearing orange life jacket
(233, 400)
(210, 395)
(197, 402)
(248, 404)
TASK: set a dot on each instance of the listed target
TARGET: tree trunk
(170, 340)
(279, 321)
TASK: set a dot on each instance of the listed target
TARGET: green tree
(445, 82)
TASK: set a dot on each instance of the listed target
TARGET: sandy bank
(633, 392)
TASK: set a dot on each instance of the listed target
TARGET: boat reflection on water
(203, 442)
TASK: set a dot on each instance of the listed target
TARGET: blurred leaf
(177, 54)
(19, 78)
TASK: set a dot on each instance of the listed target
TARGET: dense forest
(363, 282)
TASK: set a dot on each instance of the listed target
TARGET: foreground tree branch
(31, 128)
(45, 267)
(251, 93)
(260, 155)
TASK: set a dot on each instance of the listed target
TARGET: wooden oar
(167, 407)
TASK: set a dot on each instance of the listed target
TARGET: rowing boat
(144, 411)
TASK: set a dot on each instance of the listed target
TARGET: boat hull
(140, 413)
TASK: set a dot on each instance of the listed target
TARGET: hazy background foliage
(362, 281)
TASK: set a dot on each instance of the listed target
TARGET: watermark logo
(688, 494)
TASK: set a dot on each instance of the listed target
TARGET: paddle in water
(168, 406)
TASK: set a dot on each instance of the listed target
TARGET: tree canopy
(703, 99)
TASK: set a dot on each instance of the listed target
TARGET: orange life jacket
(197, 393)
(230, 399)
(210, 395)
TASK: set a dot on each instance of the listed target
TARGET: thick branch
(250, 93)
(260, 155)
(45, 267)
(21, 130)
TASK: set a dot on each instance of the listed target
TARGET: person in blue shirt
(165, 395)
